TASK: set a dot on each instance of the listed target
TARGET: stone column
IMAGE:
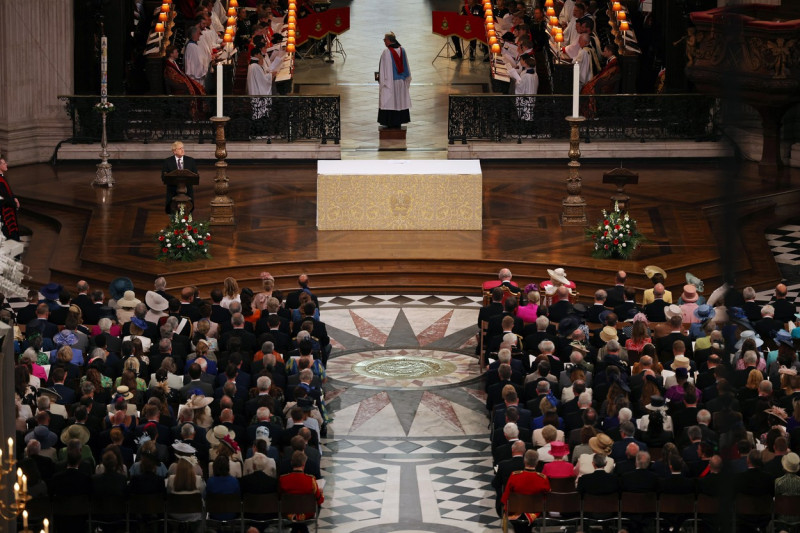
(36, 58)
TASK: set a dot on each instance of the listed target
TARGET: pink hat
(689, 295)
(559, 449)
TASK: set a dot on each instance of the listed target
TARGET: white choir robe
(194, 62)
(216, 23)
(566, 12)
(259, 82)
(525, 83)
(393, 94)
(580, 55)
(208, 41)
(570, 33)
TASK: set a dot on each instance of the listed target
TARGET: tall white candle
(103, 69)
(219, 89)
(576, 87)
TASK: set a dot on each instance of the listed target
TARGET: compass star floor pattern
(408, 451)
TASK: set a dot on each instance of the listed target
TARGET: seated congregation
(683, 399)
(122, 401)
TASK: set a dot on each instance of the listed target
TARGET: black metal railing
(168, 118)
(644, 117)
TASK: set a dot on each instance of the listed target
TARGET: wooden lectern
(180, 181)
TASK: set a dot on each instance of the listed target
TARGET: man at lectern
(175, 162)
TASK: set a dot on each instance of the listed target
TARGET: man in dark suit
(496, 322)
(665, 345)
(655, 310)
(627, 430)
(83, 300)
(562, 308)
(784, 309)
(47, 329)
(494, 394)
(175, 162)
(769, 325)
(219, 314)
(598, 482)
(249, 342)
(505, 469)
(28, 313)
(59, 316)
(188, 308)
(70, 482)
(628, 308)
(599, 305)
(59, 375)
(642, 478)
(754, 481)
(616, 295)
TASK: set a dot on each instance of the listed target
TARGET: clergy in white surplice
(394, 79)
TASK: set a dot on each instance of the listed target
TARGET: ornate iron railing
(644, 117)
(168, 118)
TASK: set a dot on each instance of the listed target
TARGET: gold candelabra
(10, 510)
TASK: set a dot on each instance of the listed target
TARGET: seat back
(184, 503)
(482, 344)
(77, 505)
(564, 502)
(638, 502)
(562, 484)
(753, 505)
(787, 505)
(151, 504)
(526, 503)
(305, 504)
(261, 503)
(107, 509)
(675, 504)
(600, 503)
(707, 504)
(224, 503)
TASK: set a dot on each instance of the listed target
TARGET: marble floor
(407, 454)
(352, 77)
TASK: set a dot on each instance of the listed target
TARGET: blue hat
(784, 337)
(51, 291)
(704, 312)
(139, 323)
(118, 287)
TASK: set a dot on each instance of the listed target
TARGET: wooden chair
(107, 512)
(260, 504)
(183, 504)
(752, 506)
(564, 500)
(70, 508)
(676, 505)
(305, 504)
(482, 344)
(146, 509)
(224, 503)
(600, 503)
(704, 506)
(637, 503)
(562, 484)
(525, 503)
(785, 506)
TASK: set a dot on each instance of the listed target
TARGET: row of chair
(570, 506)
(153, 510)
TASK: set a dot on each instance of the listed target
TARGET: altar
(399, 195)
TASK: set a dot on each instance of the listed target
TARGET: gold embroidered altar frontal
(399, 195)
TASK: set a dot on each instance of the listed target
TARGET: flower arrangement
(616, 235)
(183, 239)
(104, 107)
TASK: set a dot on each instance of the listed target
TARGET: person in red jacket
(297, 482)
(526, 481)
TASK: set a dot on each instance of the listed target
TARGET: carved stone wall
(36, 60)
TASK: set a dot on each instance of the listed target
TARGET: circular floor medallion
(401, 367)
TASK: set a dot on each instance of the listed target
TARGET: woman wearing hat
(137, 328)
(749, 342)
(560, 467)
(688, 306)
(558, 278)
(185, 481)
(126, 306)
(199, 403)
(601, 443)
(223, 445)
(656, 435)
(657, 275)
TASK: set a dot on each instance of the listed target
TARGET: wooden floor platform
(81, 232)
